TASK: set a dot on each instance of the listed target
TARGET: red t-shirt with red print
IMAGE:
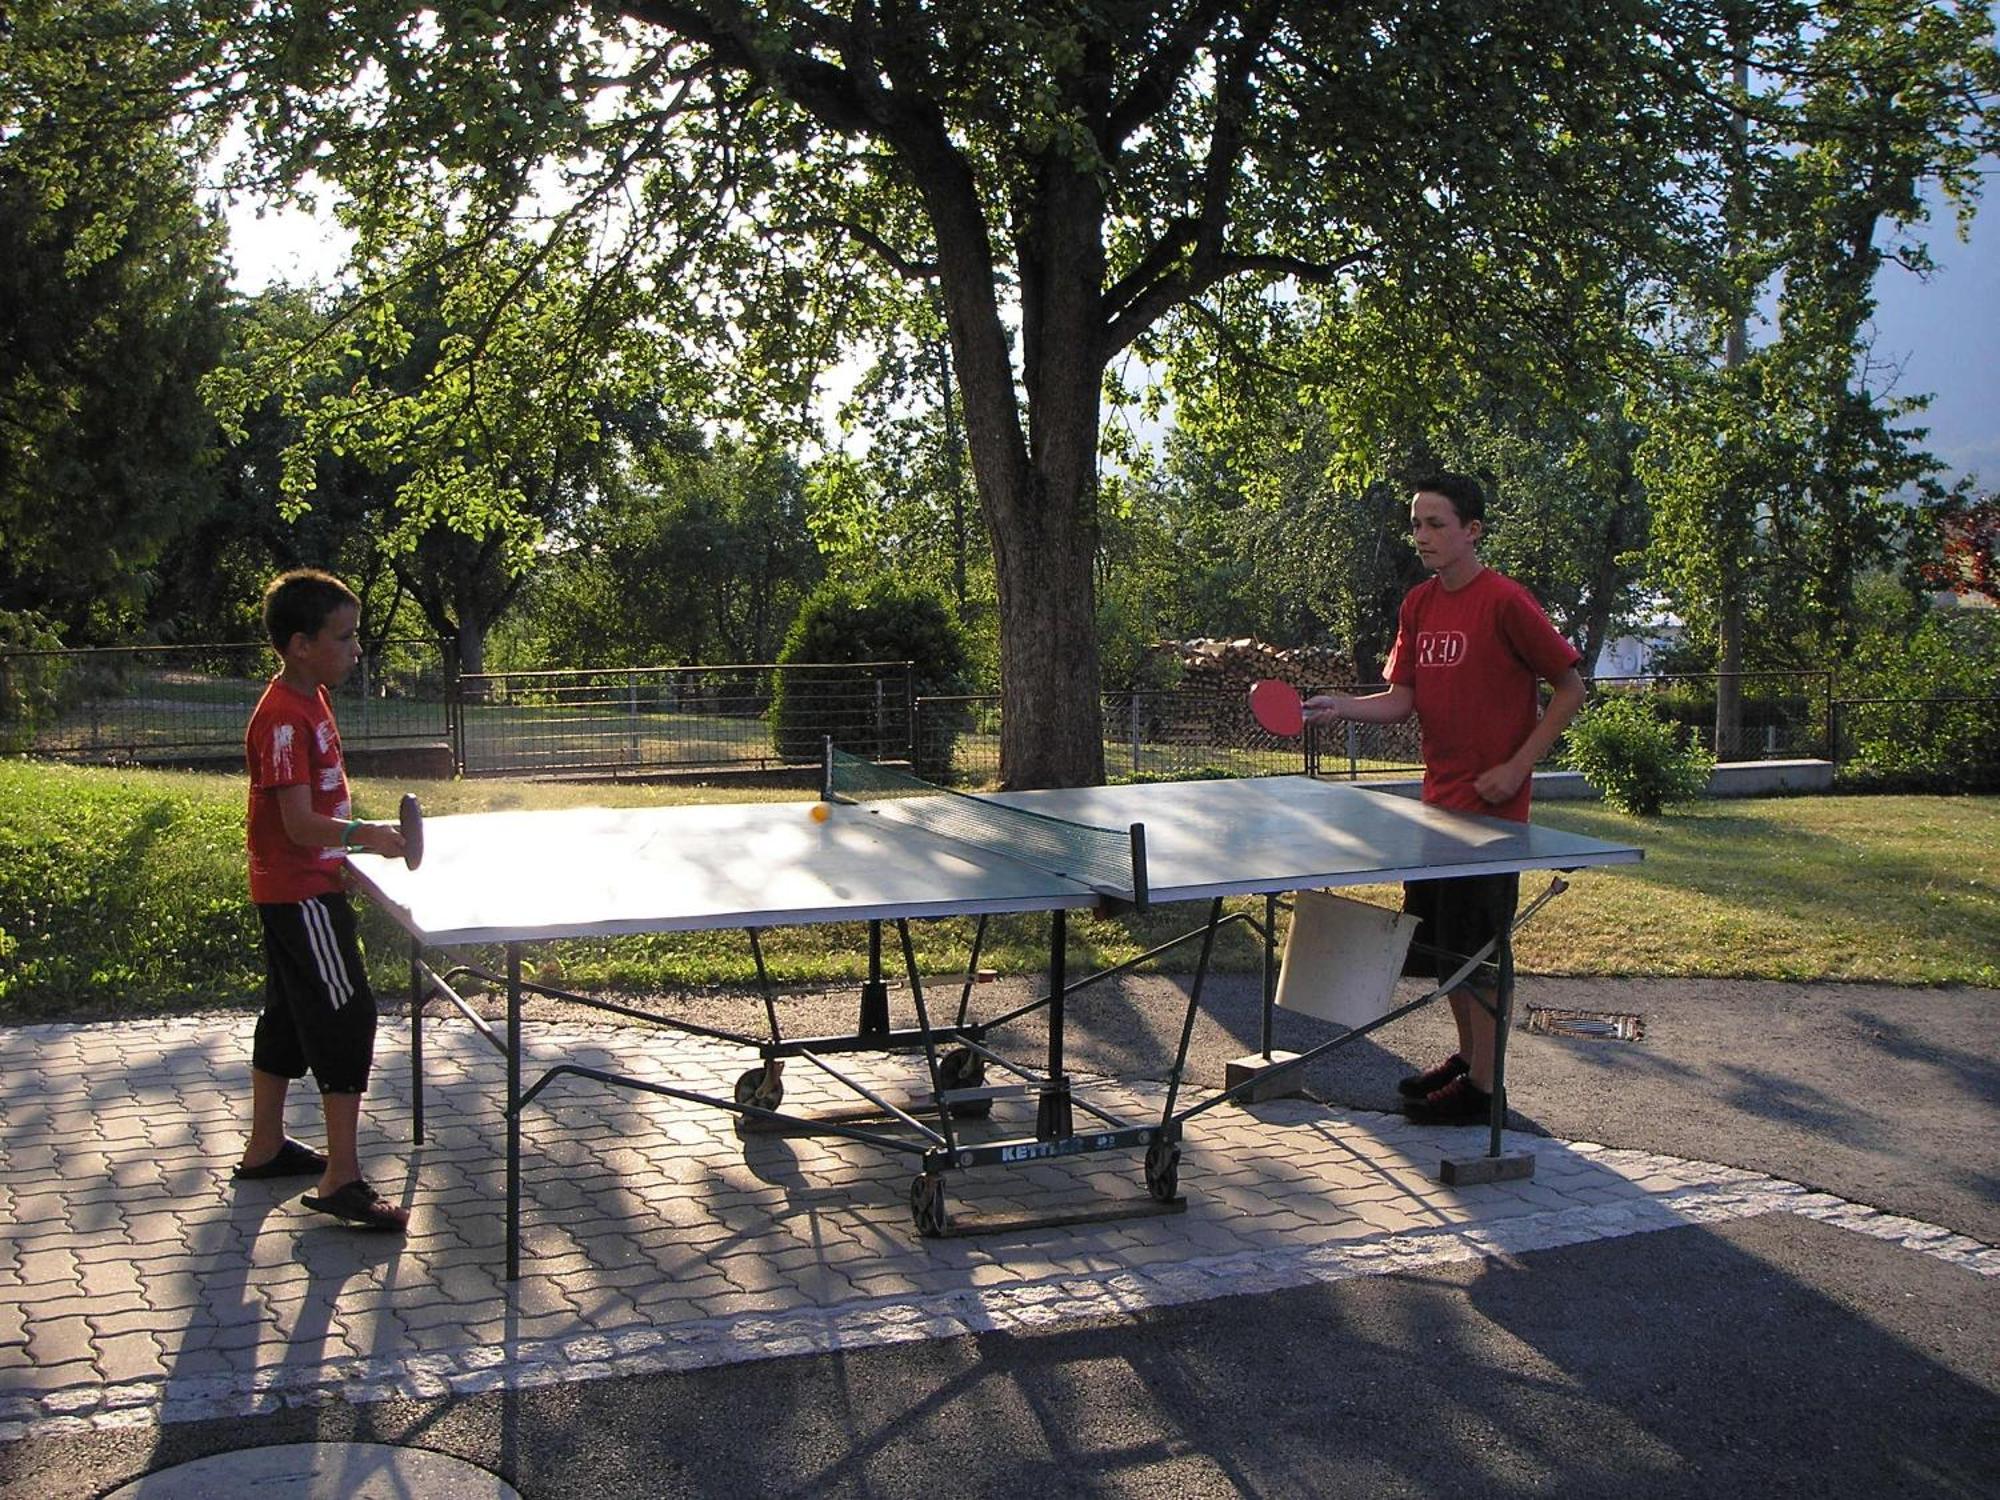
(1474, 657)
(292, 741)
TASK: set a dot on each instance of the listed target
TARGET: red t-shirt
(292, 741)
(1474, 656)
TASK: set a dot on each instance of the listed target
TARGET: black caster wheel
(761, 1087)
(1163, 1169)
(927, 1207)
(962, 1068)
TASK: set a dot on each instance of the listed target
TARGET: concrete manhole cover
(321, 1471)
(1595, 1025)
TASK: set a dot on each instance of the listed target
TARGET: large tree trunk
(1037, 488)
(1051, 728)
(1729, 666)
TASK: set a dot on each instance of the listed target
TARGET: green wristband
(347, 833)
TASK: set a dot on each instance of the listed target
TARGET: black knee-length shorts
(1458, 917)
(319, 1013)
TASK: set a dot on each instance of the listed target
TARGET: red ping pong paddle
(410, 823)
(1276, 707)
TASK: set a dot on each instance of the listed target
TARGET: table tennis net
(1111, 861)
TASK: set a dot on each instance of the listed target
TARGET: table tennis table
(893, 850)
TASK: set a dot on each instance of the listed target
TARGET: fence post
(632, 717)
(454, 707)
(1134, 715)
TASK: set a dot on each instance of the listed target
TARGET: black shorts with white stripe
(319, 1012)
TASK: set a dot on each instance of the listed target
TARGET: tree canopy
(1377, 235)
(766, 185)
(111, 300)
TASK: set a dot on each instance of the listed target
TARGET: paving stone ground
(140, 1284)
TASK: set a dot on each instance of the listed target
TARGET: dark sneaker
(1460, 1102)
(1417, 1085)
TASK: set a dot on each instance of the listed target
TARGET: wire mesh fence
(1781, 715)
(187, 705)
(667, 720)
(1167, 735)
(180, 705)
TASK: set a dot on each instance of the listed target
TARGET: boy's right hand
(384, 839)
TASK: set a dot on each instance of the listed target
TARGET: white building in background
(1634, 655)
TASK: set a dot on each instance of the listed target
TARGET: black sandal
(292, 1160)
(360, 1205)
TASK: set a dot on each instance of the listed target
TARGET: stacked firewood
(1211, 705)
(1229, 667)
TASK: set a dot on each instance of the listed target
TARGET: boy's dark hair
(1468, 501)
(298, 602)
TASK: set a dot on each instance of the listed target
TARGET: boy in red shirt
(319, 1012)
(1471, 647)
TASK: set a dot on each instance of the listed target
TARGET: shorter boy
(319, 1012)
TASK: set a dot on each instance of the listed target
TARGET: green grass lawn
(121, 892)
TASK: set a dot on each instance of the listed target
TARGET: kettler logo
(1440, 648)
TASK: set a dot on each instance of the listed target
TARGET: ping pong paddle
(1276, 707)
(410, 823)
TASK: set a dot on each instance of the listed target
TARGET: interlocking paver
(143, 1284)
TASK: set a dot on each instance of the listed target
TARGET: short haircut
(1468, 501)
(298, 603)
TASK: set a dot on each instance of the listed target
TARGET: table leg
(1053, 1120)
(416, 1043)
(513, 1111)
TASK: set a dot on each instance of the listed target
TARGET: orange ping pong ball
(819, 812)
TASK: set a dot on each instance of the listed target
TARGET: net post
(826, 768)
(1139, 892)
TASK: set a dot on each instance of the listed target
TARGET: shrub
(32, 686)
(885, 620)
(1938, 730)
(1634, 757)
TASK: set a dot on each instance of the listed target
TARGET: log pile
(1229, 667)
(1211, 705)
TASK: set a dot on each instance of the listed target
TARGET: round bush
(1635, 758)
(886, 620)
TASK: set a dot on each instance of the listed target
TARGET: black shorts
(319, 1012)
(1458, 918)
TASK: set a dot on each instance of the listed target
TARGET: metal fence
(187, 705)
(1935, 743)
(674, 720)
(1784, 715)
(1154, 736)
(181, 705)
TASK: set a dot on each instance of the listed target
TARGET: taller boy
(1471, 648)
(319, 1012)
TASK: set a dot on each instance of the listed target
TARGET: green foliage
(700, 554)
(111, 291)
(884, 620)
(31, 686)
(1634, 757)
(121, 891)
(1951, 741)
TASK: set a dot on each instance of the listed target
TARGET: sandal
(360, 1205)
(291, 1160)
